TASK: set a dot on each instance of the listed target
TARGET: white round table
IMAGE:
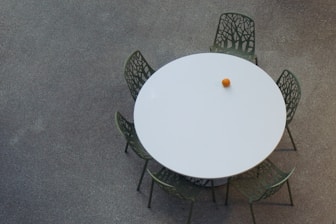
(191, 124)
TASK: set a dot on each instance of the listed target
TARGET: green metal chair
(235, 35)
(291, 92)
(204, 183)
(259, 183)
(177, 185)
(136, 72)
(127, 129)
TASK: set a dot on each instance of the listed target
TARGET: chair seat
(176, 185)
(183, 188)
(139, 149)
(259, 182)
(254, 188)
(250, 57)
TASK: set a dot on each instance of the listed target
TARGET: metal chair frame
(136, 72)
(176, 185)
(260, 183)
(291, 92)
(127, 129)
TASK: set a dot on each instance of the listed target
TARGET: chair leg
(252, 213)
(142, 175)
(290, 193)
(126, 147)
(150, 194)
(190, 212)
(227, 192)
(291, 137)
(258, 171)
(213, 191)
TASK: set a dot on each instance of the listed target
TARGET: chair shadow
(284, 150)
(274, 203)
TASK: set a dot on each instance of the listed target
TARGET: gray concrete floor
(61, 80)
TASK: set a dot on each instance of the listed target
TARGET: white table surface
(194, 126)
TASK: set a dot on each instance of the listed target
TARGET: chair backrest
(127, 129)
(136, 72)
(291, 92)
(236, 31)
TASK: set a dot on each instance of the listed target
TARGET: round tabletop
(191, 124)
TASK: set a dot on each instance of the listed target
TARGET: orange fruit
(226, 82)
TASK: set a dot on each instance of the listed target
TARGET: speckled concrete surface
(61, 80)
